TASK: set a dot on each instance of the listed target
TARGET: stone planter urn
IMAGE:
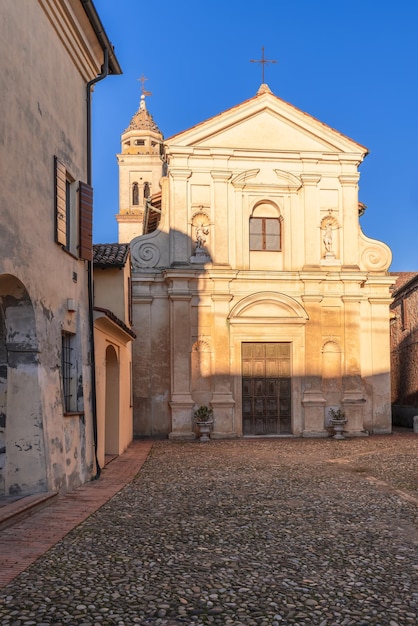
(203, 417)
(338, 421)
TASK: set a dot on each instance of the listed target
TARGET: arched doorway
(22, 451)
(267, 358)
(112, 402)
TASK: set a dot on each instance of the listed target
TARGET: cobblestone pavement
(239, 533)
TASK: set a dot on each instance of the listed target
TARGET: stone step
(13, 510)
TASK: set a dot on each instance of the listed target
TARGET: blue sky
(352, 65)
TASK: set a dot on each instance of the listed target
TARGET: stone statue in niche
(328, 226)
(327, 239)
(201, 232)
(201, 228)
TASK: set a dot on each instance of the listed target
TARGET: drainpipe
(101, 76)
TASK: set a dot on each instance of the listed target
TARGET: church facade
(255, 291)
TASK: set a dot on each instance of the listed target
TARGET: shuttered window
(86, 222)
(60, 203)
(73, 213)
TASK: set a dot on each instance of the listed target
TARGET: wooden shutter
(60, 202)
(86, 221)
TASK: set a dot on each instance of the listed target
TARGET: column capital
(312, 297)
(310, 179)
(348, 180)
(222, 297)
(352, 299)
(220, 175)
(383, 301)
(180, 174)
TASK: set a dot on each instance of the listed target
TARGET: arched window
(135, 194)
(265, 228)
(146, 190)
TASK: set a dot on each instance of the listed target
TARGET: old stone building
(404, 349)
(255, 290)
(113, 338)
(52, 52)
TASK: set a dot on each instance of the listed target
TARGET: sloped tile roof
(109, 314)
(110, 254)
(403, 280)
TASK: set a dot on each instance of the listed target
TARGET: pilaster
(353, 399)
(311, 217)
(313, 398)
(180, 248)
(222, 401)
(349, 184)
(221, 243)
(380, 376)
(181, 400)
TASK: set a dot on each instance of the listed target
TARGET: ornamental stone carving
(144, 254)
(374, 255)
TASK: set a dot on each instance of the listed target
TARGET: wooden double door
(266, 388)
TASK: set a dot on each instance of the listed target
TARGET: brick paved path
(22, 543)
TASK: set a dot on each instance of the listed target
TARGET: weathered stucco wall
(48, 54)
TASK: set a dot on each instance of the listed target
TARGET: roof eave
(95, 21)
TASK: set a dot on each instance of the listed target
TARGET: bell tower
(140, 170)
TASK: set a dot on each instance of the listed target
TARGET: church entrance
(266, 388)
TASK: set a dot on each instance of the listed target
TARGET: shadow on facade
(268, 363)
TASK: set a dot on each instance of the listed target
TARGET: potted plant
(338, 420)
(203, 416)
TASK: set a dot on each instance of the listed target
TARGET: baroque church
(254, 289)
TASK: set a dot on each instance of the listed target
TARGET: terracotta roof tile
(403, 279)
(116, 320)
(110, 254)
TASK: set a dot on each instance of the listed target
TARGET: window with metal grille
(265, 233)
(68, 372)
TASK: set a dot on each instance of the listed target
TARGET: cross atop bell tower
(140, 169)
(142, 80)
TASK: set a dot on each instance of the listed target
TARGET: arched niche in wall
(22, 448)
(112, 401)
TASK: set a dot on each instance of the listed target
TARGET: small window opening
(135, 194)
(265, 233)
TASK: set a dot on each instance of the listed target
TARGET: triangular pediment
(266, 122)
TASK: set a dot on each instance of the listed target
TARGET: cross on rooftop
(143, 90)
(263, 61)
